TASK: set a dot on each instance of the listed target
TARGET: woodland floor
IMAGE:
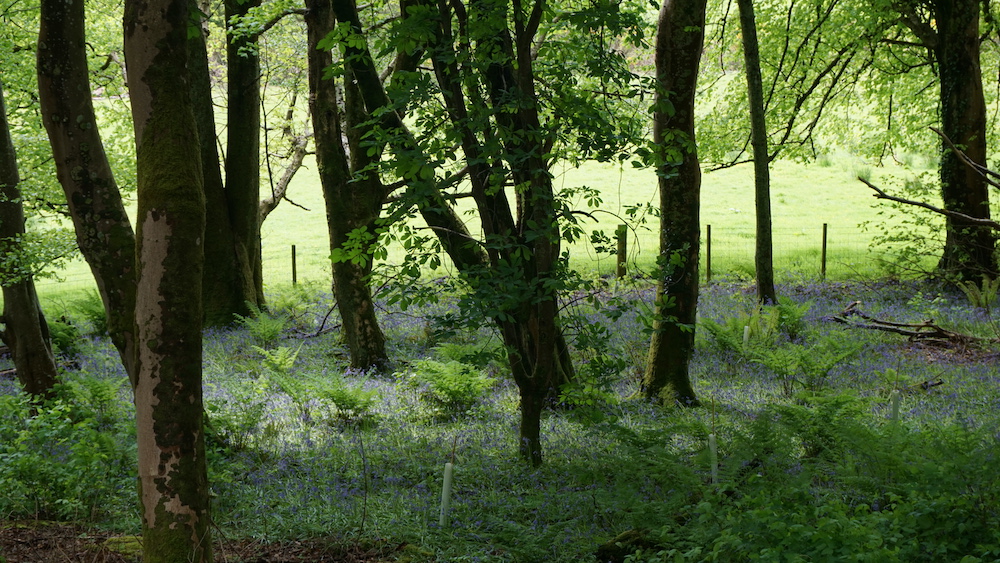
(46, 542)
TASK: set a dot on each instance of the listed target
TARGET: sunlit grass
(804, 198)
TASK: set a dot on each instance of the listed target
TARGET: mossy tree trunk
(228, 283)
(352, 192)
(243, 148)
(969, 250)
(679, 39)
(103, 230)
(25, 331)
(173, 482)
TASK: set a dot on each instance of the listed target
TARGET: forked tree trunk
(228, 282)
(352, 204)
(173, 481)
(103, 230)
(25, 331)
(680, 33)
(530, 243)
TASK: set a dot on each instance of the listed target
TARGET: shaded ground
(34, 542)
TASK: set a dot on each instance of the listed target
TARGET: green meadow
(804, 197)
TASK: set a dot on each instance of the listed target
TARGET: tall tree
(25, 331)
(761, 159)
(352, 190)
(243, 144)
(103, 230)
(523, 243)
(679, 39)
(173, 482)
(953, 36)
(228, 283)
(510, 125)
(233, 281)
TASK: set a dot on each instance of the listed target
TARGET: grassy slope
(803, 198)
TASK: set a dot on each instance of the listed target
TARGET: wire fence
(822, 251)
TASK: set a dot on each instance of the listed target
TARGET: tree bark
(243, 146)
(520, 270)
(969, 249)
(353, 203)
(436, 211)
(103, 230)
(173, 482)
(763, 261)
(25, 331)
(228, 283)
(531, 330)
(680, 34)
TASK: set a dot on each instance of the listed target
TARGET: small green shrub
(482, 355)
(981, 295)
(91, 309)
(98, 398)
(449, 386)
(65, 337)
(760, 327)
(236, 416)
(805, 366)
(57, 463)
(279, 360)
(352, 403)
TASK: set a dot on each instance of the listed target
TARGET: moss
(129, 546)
(623, 545)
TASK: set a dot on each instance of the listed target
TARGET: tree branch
(988, 175)
(274, 21)
(976, 221)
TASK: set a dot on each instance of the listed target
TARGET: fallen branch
(926, 331)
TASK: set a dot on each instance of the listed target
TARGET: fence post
(708, 253)
(295, 275)
(822, 274)
(621, 233)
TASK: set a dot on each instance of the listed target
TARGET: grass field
(804, 197)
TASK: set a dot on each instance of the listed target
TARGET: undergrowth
(812, 465)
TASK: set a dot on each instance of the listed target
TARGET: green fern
(279, 360)
(806, 366)
(982, 295)
(451, 386)
(264, 327)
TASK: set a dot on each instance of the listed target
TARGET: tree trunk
(680, 33)
(529, 326)
(243, 146)
(352, 204)
(228, 283)
(761, 159)
(173, 481)
(103, 230)
(25, 331)
(436, 211)
(969, 250)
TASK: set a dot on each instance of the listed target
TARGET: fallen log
(926, 332)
